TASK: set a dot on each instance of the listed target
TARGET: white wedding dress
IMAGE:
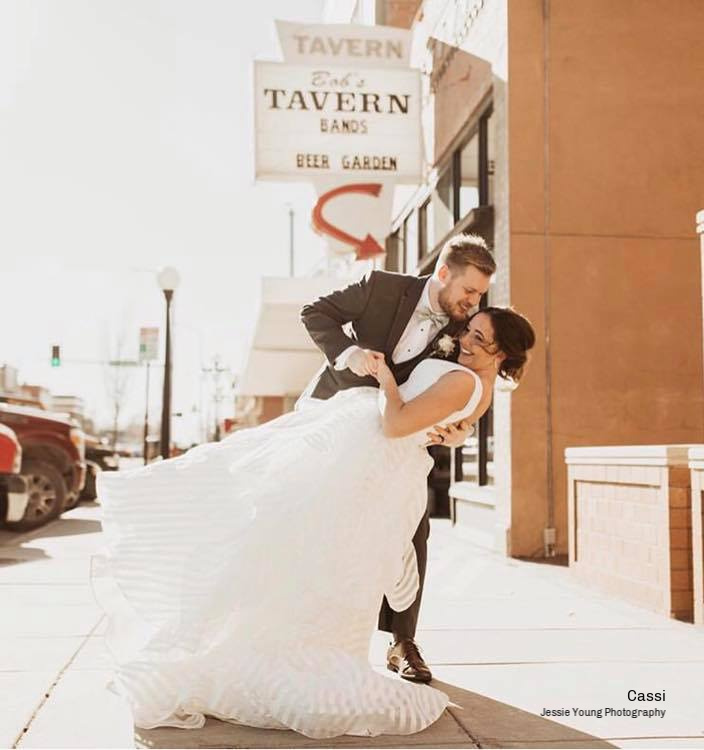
(243, 579)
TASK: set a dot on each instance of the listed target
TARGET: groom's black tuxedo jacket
(377, 309)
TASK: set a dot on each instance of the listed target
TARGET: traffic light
(55, 355)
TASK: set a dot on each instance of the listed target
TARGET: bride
(242, 580)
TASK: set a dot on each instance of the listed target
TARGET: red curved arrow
(365, 248)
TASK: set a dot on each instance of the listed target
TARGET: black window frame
(484, 432)
(403, 239)
(453, 164)
(423, 247)
(485, 426)
(483, 168)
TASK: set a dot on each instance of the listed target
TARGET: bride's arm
(448, 395)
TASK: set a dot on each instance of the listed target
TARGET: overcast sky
(126, 144)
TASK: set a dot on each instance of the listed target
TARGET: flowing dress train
(243, 579)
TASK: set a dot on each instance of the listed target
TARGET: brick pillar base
(630, 524)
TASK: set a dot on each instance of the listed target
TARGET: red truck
(13, 487)
(53, 461)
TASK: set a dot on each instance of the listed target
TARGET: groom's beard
(458, 311)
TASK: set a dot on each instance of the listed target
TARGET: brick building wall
(605, 178)
(399, 13)
(630, 530)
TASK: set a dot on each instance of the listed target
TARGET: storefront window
(486, 448)
(465, 185)
(466, 182)
(474, 461)
(469, 175)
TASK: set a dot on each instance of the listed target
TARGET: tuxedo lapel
(406, 306)
(453, 329)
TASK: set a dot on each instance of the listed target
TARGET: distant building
(73, 405)
(8, 379)
(37, 393)
(282, 357)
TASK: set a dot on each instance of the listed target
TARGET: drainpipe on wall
(700, 232)
(549, 536)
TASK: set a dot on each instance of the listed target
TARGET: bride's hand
(452, 436)
(383, 374)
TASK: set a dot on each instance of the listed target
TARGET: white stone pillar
(696, 465)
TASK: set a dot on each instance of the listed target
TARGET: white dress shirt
(415, 337)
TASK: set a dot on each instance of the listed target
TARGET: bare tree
(117, 374)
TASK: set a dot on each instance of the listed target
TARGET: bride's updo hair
(514, 336)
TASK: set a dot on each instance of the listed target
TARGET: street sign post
(148, 344)
(148, 352)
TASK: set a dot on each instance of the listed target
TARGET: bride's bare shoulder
(461, 382)
(460, 372)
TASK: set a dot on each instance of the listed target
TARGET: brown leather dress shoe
(404, 657)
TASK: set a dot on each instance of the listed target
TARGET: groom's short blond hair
(464, 250)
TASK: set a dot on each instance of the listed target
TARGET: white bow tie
(438, 319)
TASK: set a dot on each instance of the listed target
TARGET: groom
(399, 318)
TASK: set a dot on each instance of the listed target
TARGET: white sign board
(148, 344)
(345, 44)
(324, 120)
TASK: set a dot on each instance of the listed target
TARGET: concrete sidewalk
(506, 639)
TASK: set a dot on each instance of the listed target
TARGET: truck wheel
(47, 493)
(88, 492)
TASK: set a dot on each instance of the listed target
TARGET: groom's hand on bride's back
(453, 435)
(364, 362)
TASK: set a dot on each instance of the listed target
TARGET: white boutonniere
(445, 345)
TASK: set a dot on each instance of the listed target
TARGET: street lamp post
(216, 371)
(145, 438)
(168, 280)
(290, 239)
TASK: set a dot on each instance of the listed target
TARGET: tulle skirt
(243, 579)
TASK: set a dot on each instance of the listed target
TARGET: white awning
(283, 358)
